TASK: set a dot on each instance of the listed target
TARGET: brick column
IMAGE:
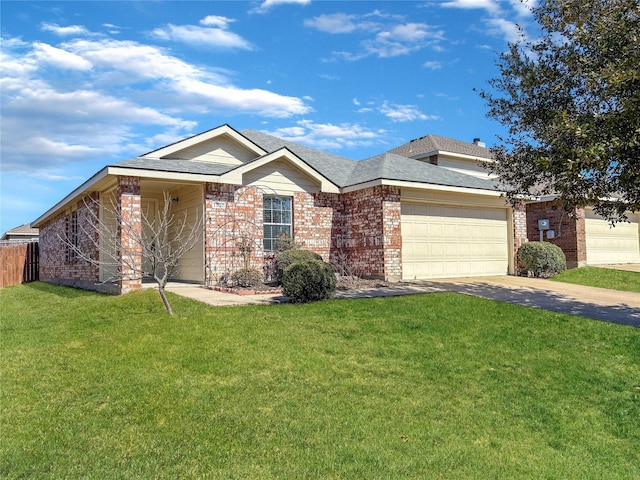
(519, 213)
(392, 234)
(129, 226)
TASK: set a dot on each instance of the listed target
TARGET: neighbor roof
(25, 230)
(389, 166)
(434, 144)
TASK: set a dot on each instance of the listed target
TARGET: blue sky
(86, 84)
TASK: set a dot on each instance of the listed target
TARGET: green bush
(308, 281)
(542, 259)
(247, 277)
(286, 258)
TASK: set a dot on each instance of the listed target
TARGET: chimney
(476, 141)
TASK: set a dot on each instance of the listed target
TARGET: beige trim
(235, 176)
(422, 186)
(189, 142)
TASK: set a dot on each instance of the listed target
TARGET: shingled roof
(434, 144)
(342, 171)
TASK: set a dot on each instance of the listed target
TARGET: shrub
(308, 281)
(286, 258)
(542, 259)
(247, 277)
(284, 242)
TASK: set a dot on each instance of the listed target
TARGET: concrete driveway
(591, 302)
(597, 303)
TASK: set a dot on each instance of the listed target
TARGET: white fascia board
(235, 175)
(203, 137)
(423, 186)
(162, 175)
(86, 186)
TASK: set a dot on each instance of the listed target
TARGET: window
(277, 220)
(72, 237)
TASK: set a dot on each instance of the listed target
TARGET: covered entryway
(440, 241)
(606, 244)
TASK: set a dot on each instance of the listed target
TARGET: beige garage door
(441, 241)
(620, 244)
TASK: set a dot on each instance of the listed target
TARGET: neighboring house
(585, 237)
(388, 216)
(23, 233)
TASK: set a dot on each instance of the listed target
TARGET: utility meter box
(543, 224)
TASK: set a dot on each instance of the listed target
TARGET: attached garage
(440, 241)
(610, 245)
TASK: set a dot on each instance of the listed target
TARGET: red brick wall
(569, 230)
(55, 266)
(360, 228)
(371, 234)
(231, 213)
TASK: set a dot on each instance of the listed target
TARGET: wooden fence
(19, 263)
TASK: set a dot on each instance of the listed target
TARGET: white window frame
(277, 218)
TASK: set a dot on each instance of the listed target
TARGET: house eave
(163, 175)
(75, 194)
(422, 186)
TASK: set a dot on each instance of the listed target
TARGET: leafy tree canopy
(571, 102)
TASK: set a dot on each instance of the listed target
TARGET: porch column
(129, 227)
(519, 222)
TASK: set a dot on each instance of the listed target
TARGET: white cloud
(330, 136)
(489, 5)
(216, 21)
(117, 90)
(336, 23)
(385, 35)
(266, 5)
(69, 31)
(508, 29)
(404, 113)
(214, 33)
(60, 58)
(432, 65)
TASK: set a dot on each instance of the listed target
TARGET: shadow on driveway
(546, 300)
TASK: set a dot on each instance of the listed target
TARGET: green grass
(601, 277)
(426, 386)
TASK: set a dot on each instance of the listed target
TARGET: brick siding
(568, 227)
(56, 264)
(130, 209)
(359, 230)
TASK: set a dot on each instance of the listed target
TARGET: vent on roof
(476, 141)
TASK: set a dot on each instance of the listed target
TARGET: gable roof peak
(432, 144)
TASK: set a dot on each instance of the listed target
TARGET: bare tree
(149, 248)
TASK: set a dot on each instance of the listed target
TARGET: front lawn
(601, 277)
(424, 386)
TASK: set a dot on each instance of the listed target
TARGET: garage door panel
(453, 241)
(606, 244)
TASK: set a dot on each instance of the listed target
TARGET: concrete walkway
(591, 302)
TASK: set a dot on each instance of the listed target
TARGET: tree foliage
(571, 102)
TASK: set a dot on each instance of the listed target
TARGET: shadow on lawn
(547, 300)
(59, 290)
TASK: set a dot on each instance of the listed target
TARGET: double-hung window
(277, 220)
